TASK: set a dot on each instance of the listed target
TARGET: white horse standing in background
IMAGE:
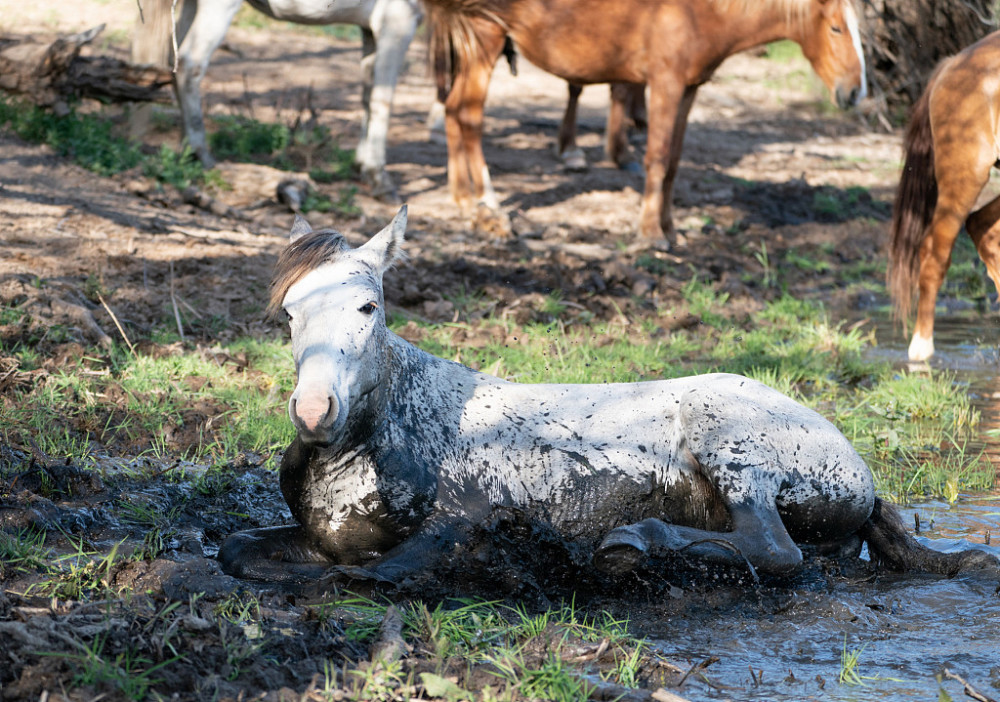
(387, 27)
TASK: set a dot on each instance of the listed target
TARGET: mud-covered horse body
(401, 454)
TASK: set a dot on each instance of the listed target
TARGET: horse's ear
(386, 247)
(300, 227)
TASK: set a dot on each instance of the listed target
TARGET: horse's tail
(913, 209)
(151, 37)
(890, 547)
(453, 38)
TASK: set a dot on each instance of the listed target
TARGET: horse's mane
(793, 9)
(299, 258)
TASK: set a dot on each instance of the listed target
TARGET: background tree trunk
(907, 38)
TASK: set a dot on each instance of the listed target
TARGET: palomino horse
(951, 144)
(673, 46)
(387, 26)
(400, 455)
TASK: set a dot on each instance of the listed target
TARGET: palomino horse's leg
(665, 95)
(193, 54)
(983, 226)
(383, 53)
(566, 147)
(468, 176)
(960, 181)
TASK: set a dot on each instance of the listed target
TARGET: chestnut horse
(951, 144)
(673, 46)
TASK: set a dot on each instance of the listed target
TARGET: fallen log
(51, 73)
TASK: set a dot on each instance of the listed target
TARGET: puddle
(904, 631)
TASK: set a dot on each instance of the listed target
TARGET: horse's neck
(763, 22)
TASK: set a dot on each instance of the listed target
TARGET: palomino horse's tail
(891, 548)
(913, 208)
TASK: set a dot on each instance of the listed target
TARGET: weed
(849, 665)
(127, 673)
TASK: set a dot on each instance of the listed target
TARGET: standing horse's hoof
(622, 551)
(382, 186)
(574, 160)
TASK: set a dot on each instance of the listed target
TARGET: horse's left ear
(386, 247)
(300, 227)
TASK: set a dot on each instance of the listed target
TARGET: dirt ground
(770, 174)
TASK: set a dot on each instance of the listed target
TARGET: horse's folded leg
(277, 554)
(623, 550)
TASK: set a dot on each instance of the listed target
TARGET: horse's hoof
(622, 551)
(492, 223)
(633, 167)
(574, 160)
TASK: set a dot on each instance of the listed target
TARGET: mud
(777, 194)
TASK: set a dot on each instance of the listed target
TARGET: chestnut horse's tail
(914, 206)
(891, 548)
(453, 38)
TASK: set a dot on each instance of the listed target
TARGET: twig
(173, 301)
(969, 690)
(390, 645)
(114, 319)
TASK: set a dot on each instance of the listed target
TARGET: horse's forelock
(300, 257)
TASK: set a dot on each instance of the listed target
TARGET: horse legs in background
(383, 51)
(670, 101)
(464, 132)
(626, 99)
(200, 30)
(566, 147)
(983, 226)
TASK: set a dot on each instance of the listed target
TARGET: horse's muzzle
(847, 99)
(313, 416)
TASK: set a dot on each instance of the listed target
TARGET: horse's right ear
(386, 247)
(300, 227)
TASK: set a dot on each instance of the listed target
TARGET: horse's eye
(368, 308)
(288, 316)
(836, 30)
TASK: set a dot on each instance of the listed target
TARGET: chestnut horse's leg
(569, 153)
(625, 98)
(468, 176)
(665, 95)
(676, 145)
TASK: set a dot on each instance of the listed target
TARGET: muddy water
(905, 631)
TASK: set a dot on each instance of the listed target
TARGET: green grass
(93, 141)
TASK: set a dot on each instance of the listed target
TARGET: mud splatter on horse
(673, 46)
(387, 27)
(951, 146)
(401, 455)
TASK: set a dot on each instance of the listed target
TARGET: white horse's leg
(197, 44)
(393, 24)
(771, 461)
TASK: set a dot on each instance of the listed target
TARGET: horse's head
(332, 295)
(832, 43)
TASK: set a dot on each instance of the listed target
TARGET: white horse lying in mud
(400, 454)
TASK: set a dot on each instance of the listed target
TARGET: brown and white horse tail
(913, 209)
(892, 548)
